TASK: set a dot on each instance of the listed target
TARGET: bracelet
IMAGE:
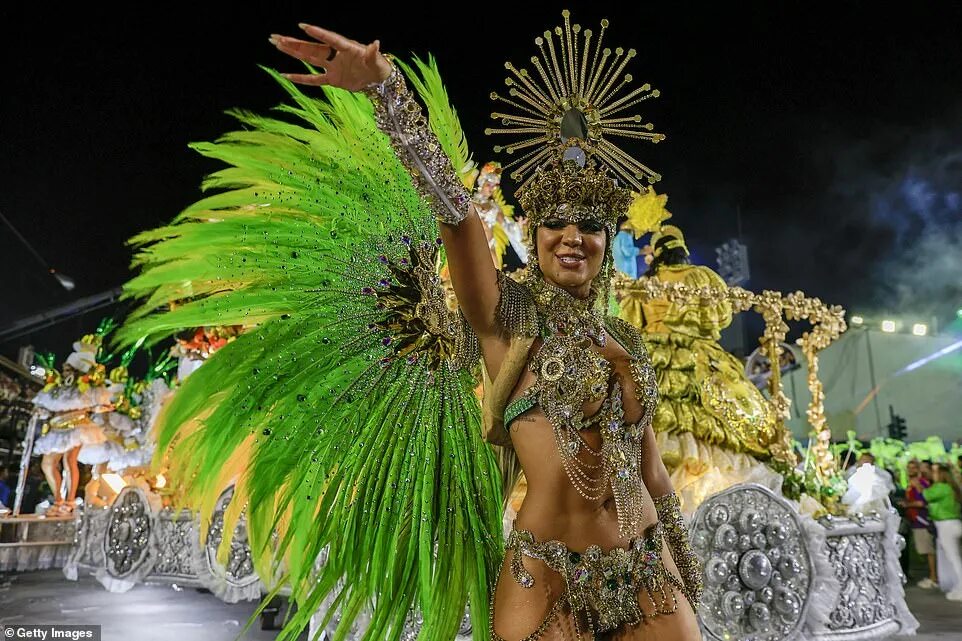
(400, 117)
(668, 508)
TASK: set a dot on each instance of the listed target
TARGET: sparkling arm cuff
(400, 117)
(668, 508)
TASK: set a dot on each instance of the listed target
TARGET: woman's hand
(345, 63)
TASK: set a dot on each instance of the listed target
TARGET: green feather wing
(444, 122)
(342, 415)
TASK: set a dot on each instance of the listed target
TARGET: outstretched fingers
(310, 52)
(331, 38)
(346, 64)
(315, 79)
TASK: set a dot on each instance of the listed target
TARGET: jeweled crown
(565, 190)
(571, 106)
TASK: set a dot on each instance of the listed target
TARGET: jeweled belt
(603, 588)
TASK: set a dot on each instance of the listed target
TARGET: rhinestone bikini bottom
(603, 590)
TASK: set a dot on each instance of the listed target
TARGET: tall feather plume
(334, 440)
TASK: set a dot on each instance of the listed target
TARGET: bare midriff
(552, 508)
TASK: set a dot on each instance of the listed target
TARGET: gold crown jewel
(576, 108)
(564, 190)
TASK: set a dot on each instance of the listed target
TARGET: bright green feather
(426, 80)
(340, 446)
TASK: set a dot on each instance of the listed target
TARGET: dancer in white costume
(69, 401)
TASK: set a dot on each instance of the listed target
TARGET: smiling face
(571, 254)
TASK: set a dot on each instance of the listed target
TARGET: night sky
(835, 129)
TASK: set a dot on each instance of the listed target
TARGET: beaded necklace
(571, 373)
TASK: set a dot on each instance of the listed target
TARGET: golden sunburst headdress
(563, 117)
(569, 110)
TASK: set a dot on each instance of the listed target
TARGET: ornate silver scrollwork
(127, 544)
(88, 550)
(239, 570)
(758, 572)
(859, 564)
(177, 547)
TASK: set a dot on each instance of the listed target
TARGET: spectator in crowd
(944, 500)
(917, 514)
(925, 467)
(6, 487)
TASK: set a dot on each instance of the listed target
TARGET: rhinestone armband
(668, 508)
(400, 117)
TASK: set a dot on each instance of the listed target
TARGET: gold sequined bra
(602, 589)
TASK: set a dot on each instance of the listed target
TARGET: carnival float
(121, 527)
(789, 549)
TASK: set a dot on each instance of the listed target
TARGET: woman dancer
(599, 548)
(581, 402)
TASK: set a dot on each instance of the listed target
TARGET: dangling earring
(601, 285)
(533, 267)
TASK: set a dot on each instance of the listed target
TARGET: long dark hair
(667, 256)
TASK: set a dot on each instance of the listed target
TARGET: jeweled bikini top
(570, 373)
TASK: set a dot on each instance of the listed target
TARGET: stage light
(958, 312)
(928, 359)
(920, 329)
(857, 320)
(888, 326)
(65, 281)
(160, 481)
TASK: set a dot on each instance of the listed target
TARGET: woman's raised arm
(351, 65)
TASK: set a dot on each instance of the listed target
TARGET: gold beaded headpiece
(570, 116)
(565, 190)
(677, 239)
(564, 118)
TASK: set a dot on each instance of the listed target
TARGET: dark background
(834, 128)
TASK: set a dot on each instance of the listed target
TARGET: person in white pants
(945, 508)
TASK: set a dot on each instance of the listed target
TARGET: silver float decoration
(239, 571)
(863, 553)
(858, 560)
(88, 551)
(127, 544)
(177, 558)
(758, 572)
